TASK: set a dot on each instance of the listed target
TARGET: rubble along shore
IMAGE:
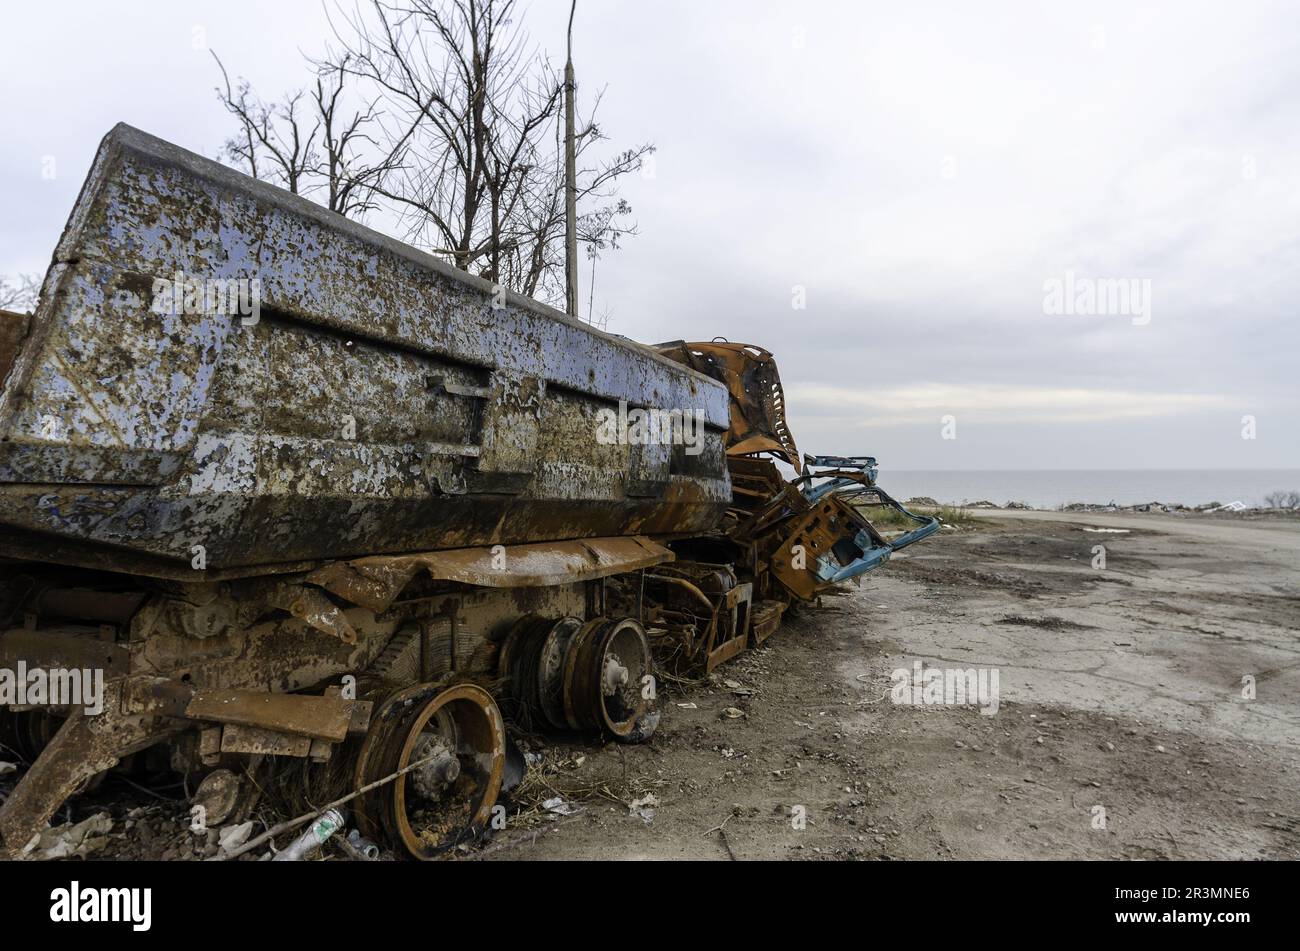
(1232, 508)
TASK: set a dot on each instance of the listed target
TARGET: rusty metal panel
(374, 582)
(758, 421)
(249, 739)
(324, 717)
(63, 648)
(13, 328)
(378, 402)
(765, 620)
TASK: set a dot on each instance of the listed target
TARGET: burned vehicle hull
(305, 500)
(379, 401)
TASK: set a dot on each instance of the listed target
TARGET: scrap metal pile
(371, 524)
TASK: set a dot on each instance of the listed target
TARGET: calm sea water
(1050, 488)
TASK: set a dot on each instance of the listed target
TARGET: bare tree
(19, 294)
(459, 136)
(456, 74)
(310, 142)
(350, 182)
(272, 142)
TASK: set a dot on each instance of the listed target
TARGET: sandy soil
(1120, 689)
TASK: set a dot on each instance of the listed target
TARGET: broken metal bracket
(310, 605)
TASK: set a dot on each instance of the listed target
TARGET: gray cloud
(920, 169)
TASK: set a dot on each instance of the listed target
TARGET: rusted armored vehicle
(280, 496)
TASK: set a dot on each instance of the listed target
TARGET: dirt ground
(1120, 699)
(1120, 688)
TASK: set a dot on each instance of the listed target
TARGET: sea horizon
(1051, 488)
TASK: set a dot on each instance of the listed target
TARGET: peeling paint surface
(379, 404)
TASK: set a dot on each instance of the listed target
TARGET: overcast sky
(919, 170)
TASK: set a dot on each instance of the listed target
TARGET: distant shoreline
(1128, 490)
(1212, 508)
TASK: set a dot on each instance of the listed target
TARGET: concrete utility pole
(570, 181)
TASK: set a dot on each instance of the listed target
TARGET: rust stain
(374, 582)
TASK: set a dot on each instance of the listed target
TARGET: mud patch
(1044, 623)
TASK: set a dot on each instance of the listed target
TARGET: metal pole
(571, 181)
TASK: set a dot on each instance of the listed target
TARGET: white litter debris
(1108, 531)
(7, 768)
(643, 808)
(559, 806)
(688, 706)
(69, 841)
(232, 837)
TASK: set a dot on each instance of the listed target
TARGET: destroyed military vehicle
(282, 497)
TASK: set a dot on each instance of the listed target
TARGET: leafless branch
(19, 294)
(445, 116)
